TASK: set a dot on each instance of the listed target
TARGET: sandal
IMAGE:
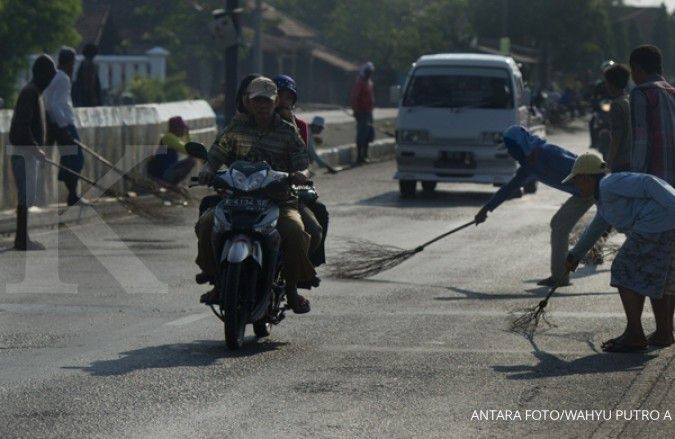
(210, 297)
(617, 345)
(299, 305)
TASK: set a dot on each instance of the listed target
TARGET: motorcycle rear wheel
(235, 314)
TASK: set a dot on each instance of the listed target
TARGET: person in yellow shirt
(165, 165)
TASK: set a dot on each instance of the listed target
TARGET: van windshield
(459, 87)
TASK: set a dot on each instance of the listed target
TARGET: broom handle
(544, 302)
(105, 161)
(80, 176)
(438, 238)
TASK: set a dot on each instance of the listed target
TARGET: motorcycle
(600, 129)
(247, 247)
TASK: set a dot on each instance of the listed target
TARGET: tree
(33, 26)
(662, 37)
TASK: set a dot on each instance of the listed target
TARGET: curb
(53, 215)
(381, 149)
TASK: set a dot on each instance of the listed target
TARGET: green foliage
(29, 27)
(151, 90)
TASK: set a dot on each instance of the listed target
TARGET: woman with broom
(643, 207)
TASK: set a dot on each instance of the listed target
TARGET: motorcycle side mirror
(196, 149)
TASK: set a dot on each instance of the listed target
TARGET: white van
(452, 112)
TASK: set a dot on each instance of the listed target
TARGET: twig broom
(366, 258)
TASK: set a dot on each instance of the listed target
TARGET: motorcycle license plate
(243, 203)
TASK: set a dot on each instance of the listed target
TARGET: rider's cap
(587, 164)
(262, 86)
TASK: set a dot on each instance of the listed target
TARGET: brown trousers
(294, 245)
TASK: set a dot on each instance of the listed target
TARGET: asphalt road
(106, 339)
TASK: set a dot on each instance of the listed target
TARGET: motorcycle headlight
(412, 136)
(605, 107)
(239, 179)
(255, 180)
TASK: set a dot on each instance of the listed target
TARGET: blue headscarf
(520, 142)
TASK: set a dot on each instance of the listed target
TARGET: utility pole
(257, 42)
(232, 62)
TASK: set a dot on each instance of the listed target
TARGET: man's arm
(640, 147)
(590, 236)
(617, 124)
(522, 176)
(20, 133)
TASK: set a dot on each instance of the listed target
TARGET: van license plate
(456, 160)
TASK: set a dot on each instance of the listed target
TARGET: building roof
(284, 24)
(92, 22)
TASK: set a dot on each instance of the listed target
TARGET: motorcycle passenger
(263, 137)
(598, 94)
(310, 210)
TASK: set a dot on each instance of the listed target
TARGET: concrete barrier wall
(123, 134)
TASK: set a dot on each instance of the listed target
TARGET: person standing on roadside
(616, 81)
(87, 89)
(363, 103)
(61, 124)
(27, 135)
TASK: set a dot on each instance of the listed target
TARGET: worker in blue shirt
(643, 207)
(549, 164)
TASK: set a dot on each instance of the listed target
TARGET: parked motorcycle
(600, 129)
(247, 247)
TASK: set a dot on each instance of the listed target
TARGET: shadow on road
(481, 295)
(550, 366)
(199, 353)
(437, 199)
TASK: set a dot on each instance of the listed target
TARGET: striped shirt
(653, 119)
(281, 147)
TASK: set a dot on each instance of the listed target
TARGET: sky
(670, 4)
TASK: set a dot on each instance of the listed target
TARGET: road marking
(442, 350)
(187, 319)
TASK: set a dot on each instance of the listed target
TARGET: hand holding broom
(365, 258)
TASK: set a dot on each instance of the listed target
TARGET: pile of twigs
(601, 252)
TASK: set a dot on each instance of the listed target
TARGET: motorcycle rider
(263, 137)
(314, 213)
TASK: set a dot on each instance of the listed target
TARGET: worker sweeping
(643, 207)
(549, 164)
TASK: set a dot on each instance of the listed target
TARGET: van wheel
(428, 187)
(407, 188)
(530, 188)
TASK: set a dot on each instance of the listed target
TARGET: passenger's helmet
(285, 82)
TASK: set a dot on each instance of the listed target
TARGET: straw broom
(136, 180)
(366, 258)
(528, 321)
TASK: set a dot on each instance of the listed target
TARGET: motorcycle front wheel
(235, 314)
